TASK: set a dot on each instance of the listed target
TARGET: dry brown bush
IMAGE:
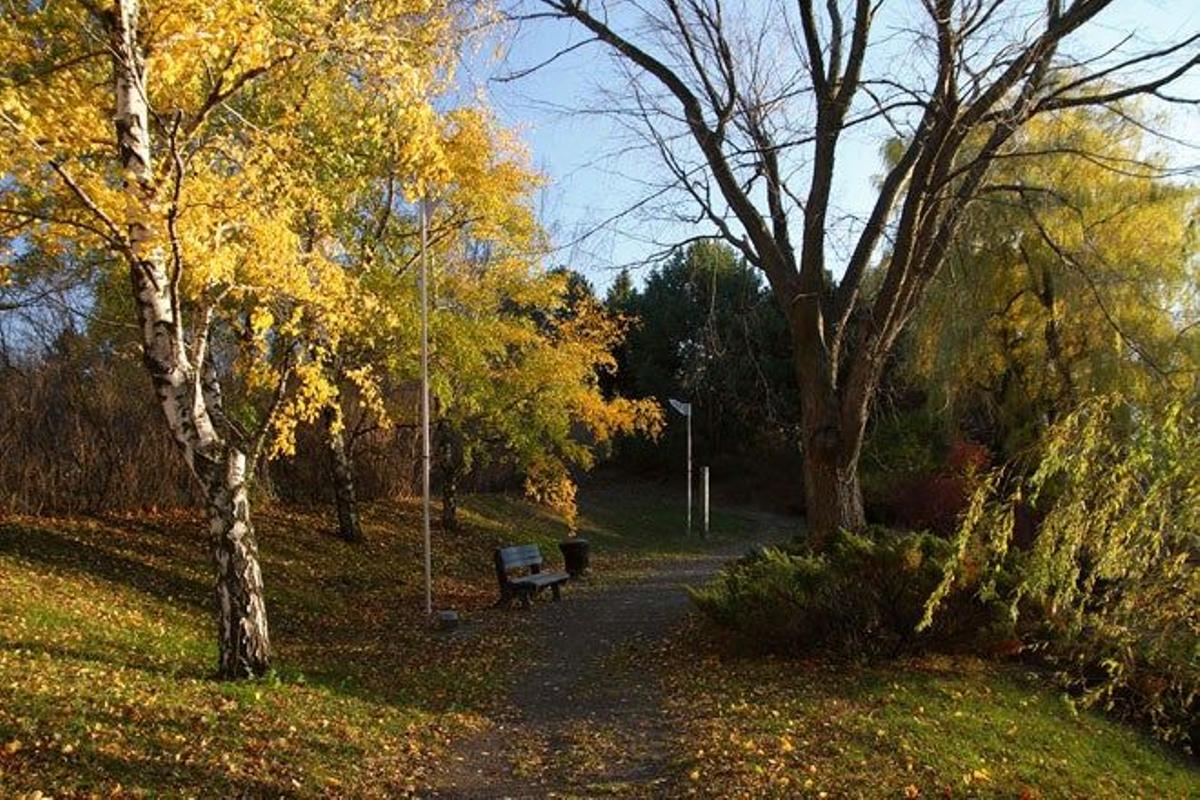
(79, 433)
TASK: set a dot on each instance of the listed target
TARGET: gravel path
(584, 720)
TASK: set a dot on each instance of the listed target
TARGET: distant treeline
(703, 327)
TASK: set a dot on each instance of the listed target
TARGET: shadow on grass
(334, 631)
(50, 548)
(346, 618)
(175, 668)
(114, 772)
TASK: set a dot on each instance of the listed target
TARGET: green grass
(107, 645)
(934, 727)
(628, 527)
(619, 519)
(106, 651)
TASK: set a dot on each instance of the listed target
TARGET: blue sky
(590, 179)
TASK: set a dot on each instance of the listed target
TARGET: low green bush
(864, 595)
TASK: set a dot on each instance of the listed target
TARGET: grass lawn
(931, 727)
(629, 527)
(107, 645)
(106, 652)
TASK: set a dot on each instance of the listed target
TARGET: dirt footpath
(584, 720)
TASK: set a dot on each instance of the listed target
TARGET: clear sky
(591, 177)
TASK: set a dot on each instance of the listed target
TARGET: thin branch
(525, 72)
(264, 428)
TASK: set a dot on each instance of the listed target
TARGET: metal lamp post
(426, 454)
(686, 410)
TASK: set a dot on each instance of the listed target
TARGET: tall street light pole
(426, 455)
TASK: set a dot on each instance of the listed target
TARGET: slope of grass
(107, 646)
(629, 527)
(933, 727)
(106, 651)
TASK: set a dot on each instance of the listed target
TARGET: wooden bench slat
(519, 549)
(519, 556)
(543, 578)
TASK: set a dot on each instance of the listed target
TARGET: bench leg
(527, 599)
(557, 594)
(505, 600)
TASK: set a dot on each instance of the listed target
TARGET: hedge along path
(584, 717)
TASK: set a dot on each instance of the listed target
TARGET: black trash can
(575, 556)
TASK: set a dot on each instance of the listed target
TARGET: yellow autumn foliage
(270, 120)
(1075, 287)
(291, 143)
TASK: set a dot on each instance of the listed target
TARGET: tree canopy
(256, 188)
(747, 115)
(1082, 284)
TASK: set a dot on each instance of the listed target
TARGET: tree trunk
(342, 472)
(451, 469)
(244, 643)
(1054, 348)
(833, 420)
(180, 369)
(833, 495)
(450, 500)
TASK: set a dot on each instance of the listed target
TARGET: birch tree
(170, 135)
(748, 110)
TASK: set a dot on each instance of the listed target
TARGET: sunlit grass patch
(930, 727)
(107, 645)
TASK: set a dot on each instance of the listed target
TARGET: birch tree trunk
(341, 469)
(244, 647)
(190, 400)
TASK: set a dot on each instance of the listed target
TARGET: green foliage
(901, 445)
(1110, 582)
(863, 595)
(705, 328)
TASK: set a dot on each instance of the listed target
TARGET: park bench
(510, 560)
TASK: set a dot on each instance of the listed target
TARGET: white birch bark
(219, 466)
(342, 472)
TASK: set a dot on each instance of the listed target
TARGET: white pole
(426, 457)
(689, 475)
(704, 495)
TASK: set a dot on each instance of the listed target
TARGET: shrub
(79, 433)
(900, 446)
(864, 595)
(933, 501)
(918, 476)
(1107, 590)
